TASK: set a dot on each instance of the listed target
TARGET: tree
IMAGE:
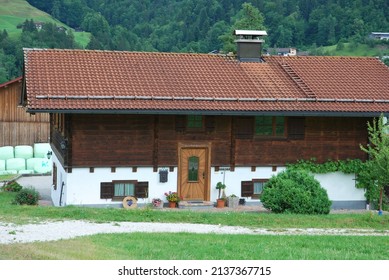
(249, 18)
(376, 170)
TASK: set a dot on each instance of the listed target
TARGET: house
(143, 123)
(379, 35)
(282, 51)
(18, 127)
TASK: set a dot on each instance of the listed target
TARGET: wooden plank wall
(16, 126)
(146, 140)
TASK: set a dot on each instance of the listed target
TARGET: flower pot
(233, 202)
(172, 204)
(220, 203)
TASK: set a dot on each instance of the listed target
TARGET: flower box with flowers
(173, 198)
(157, 203)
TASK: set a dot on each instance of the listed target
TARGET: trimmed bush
(27, 197)
(295, 191)
(12, 187)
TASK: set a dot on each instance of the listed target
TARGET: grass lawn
(14, 12)
(187, 246)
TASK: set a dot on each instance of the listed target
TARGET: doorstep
(196, 205)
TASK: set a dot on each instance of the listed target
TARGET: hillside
(15, 12)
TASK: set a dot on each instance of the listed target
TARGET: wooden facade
(87, 140)
(18, 127)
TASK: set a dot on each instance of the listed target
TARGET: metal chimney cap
(250, 32)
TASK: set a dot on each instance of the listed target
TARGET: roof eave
(210, 112)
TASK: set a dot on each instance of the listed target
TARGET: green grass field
(187, 246)
(150, 246)
(14, 12)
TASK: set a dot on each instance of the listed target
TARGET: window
(193, 169)
(117, 190)
(270, 126)
(122, 189)
(253, 188)
(258, 187)
(194, 122)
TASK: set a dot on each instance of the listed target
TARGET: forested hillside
(195, 25)
(199, 26)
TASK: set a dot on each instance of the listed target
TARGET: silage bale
(23, 151)
(26, 171)
(31, 162)
(2, 164)
(16, 164)
(8, 172)
(41, 149)
(6, 152)
(42, 166)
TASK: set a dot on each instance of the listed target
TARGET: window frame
(195, 129)
(114, 182)
(274, 128)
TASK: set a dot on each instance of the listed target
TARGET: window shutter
(247, 188)
(180, 123)
(244, 127)
(210, 123)
(142, 190)
(106, 190)
(296, 128)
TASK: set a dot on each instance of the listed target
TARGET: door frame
(207, 180)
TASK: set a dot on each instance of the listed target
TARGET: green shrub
(27, 196)
(12, 187)
(295, 191)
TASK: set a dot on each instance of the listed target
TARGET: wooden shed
(16, 125)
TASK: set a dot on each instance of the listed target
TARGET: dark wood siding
(148, 140)
(112, 140)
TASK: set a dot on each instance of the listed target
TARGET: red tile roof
(86, 81)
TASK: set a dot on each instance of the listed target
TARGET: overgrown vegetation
(350, 166)
(197, 26)
(295, 191)
(12, 187)
(375, 176)
(27, 196)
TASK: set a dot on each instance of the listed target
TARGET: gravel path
(50, 231)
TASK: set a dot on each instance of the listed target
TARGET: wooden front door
(193, 173)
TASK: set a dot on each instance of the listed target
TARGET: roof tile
(109, 80)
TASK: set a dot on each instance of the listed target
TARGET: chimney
(249, 45)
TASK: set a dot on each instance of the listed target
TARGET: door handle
(203, 175)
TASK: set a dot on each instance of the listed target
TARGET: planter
(220, 203)
(172, 204)
(233, 202)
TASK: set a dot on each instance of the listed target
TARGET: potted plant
(221, 197)
(157, 203)
(232, 201)
(172, 198)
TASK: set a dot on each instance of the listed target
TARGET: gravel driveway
(49, 231)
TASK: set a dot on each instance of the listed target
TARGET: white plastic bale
(6, 152)
(43, 166)
(2, 164)
(24, 151)
(16, 164)
(31, 162)
(41, 149)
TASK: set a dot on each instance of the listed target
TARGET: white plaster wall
(61, 179)
(84, 187)
(233, 179)
(340, 186)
